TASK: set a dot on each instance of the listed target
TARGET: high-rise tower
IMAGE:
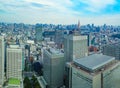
(38, 33)
(75, 47)
(1, 60)
(78, 24)
(53, 67)
(14, 62)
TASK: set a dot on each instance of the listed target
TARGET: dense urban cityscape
(59, 56)
(59, 43)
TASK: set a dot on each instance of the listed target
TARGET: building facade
(1, 60)
(59, 37)
(95, 71)
(14, 62)
(112, 50)
(38, 34)
(53, 68)
(75, 47)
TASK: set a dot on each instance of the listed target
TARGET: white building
(1, 60)
(14, 62)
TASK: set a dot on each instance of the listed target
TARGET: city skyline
(61, 12)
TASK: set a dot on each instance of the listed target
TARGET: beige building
(2, 60)
(95, 71)
(14, 62)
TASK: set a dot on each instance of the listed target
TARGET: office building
(75, 46)
(27, 50)
(59, 37)
(112, 50)
(49, 34)
(53, 67)
(89, 39)
(38, 33)
(14, 61)
(1, 60)
(95, 71)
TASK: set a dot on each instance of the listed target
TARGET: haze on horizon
(60, 11)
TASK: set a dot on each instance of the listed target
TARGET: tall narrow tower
(1, 60)
(78, 27)
(38, 34)
(78, 24)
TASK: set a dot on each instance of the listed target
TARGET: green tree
(27, 83)
(40, 72)
(35, 82)
(34, 79)
(37, 85)
(25, 69)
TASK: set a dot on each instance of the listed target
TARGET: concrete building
(95, 71)
(89, 39)
(75, 47)
(49, 34)
(59, 37)
(53, 67)
(27, 50)
(1, 60)
(14, 62)
(38, 34)
(112, 50)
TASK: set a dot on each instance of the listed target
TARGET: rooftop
(117, 44)
(14, 81)
(73, 37)
(30, 41)
(93, 62)
(54, 51)
(14, 46)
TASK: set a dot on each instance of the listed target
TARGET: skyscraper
(95, 71)
(1, 60)
(14, 62)
(38, 33)
(53, 67)
(75, 46)
(59, 37)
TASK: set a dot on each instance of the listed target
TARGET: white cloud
(97, 5)
(61, 6)
(56, 11)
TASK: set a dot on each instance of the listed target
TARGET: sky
(60, 11)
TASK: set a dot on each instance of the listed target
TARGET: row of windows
(83, 77)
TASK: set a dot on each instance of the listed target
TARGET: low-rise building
(95, 71)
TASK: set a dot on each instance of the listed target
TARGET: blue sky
(61, 11)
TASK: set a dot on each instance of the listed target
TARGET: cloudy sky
(60, 11)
